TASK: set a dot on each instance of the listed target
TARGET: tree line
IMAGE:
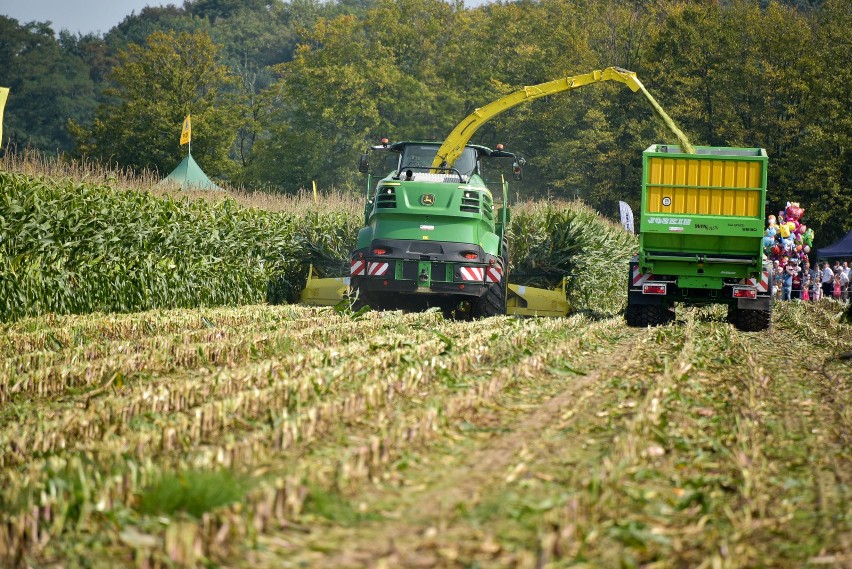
(283, 94)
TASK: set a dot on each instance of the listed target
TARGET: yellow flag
(186, 133)
(4, 93)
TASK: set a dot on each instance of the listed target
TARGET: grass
(330, 505)
(192, 492)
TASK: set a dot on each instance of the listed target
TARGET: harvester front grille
(386, 198)
(471, 202)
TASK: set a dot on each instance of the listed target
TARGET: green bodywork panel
(454, 212)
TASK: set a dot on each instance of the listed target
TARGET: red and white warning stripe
(472, 273)
(493, 274)
(377, 269)
(638, 278)
(762, 285)
(358, 267)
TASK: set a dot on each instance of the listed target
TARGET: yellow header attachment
(453, 146)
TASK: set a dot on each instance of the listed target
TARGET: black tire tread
(751, 320)
(643, 315)
(493, 301)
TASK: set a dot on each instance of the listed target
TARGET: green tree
(136, 28)
(155, 87)
(252, 42)
(338, 93)
(820, 167)
(214, 10)
(49, 85)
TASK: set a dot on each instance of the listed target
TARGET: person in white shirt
(827, 280)
(844, 281)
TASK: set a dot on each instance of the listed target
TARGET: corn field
(69, 247)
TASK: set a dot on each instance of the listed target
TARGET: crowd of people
(787, 243)
(825, 280)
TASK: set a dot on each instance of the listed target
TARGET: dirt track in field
(423, 531)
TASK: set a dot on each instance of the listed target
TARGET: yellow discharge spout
(454, 144)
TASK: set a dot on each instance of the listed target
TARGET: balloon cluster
(786, 238)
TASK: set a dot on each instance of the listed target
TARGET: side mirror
(363, 164)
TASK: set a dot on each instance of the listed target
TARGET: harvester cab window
(466, 163)
(420, 157)
(388, 161)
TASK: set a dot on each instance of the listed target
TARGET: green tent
(189, 176)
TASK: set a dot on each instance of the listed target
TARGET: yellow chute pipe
(453, 146)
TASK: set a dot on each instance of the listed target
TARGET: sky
(77, 16)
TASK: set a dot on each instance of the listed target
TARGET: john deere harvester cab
(433, 236)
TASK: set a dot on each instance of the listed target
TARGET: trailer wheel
(733, 315)
(643, 315)
(750, 320)
(493, 301)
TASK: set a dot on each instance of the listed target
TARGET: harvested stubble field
(289, 436)
(286, 436)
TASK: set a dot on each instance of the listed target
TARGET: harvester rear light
(654, 288)
(470, 255)
(745, 292)
(380, 251)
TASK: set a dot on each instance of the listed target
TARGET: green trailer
(701, 236)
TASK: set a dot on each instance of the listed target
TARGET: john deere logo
(427, 199)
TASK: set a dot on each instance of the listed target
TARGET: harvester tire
(505, 255)
(493, 301)
(505, 258)
(734, 316)
(643, 315)
(750, 320)
(356, 300)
